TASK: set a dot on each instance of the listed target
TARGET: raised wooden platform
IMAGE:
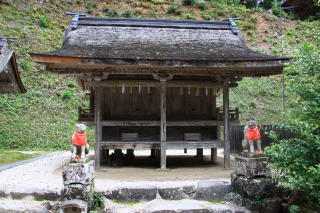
(118, 144)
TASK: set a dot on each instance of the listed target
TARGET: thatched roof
(150, 39)
(303, 8)
(10, 81)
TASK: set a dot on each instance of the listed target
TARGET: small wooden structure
(303, 8)
(158, 78)
(10, 81)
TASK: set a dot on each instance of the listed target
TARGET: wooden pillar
(214, 155)
(185, 150)
(153, 153)
(226, 124)
(163, 123)
(200, 154)
(97, 125)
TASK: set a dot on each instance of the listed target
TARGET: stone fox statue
(79, 145)
(251, 135)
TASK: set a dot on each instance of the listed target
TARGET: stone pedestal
(253, 183)
(252, 165)
(78, 181)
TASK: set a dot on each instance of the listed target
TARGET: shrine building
(154, 82)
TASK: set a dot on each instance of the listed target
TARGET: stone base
(78, 173)
(252, 167)
(255, 188)
(80, 206)
(79, 192)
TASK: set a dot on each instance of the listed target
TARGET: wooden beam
(48, 59)
(130, 123)
(226, 124)
(163, 123)
(130, 145)
(6, 83)
(195, 144)
(97, 125)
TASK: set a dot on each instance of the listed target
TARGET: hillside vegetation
(44, 117)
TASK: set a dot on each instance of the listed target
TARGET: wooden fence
(236, 136)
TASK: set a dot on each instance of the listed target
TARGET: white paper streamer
(122, 88)
(139, 89)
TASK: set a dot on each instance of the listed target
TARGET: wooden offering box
(192, 136)
(129, 136)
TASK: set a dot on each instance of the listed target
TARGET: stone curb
(27, 161)
(205, 190)
(45, 194)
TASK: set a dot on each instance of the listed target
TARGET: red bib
(253, 133)
(79, 139)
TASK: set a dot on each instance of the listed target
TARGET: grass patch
(17, 198)
(38, 199)
(216, 201)
(12, 157)
(125, 203)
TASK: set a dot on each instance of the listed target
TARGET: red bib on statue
(79, 139)
(253, 133)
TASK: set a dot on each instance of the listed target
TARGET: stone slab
(189, 189)
(271, 205)
(234, 177)
(20, 208)
(170, 192)
(22, 192)
(79, 192)
(252, 205)
(4, 192)
(173, 207)
(212, 190)
(238, 200)
(135, 193)
(218, 208)
(46, 194)
(229, 196)
(255, 188)
(78, 173)
(253, 167)
(122, 209)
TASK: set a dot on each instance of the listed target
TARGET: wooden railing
(233, 114)
(85, 114)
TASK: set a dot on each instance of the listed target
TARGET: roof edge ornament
(75, 19)
(233, 25)
(4, 42)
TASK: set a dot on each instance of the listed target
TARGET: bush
(43, 21)
(66, 94)
(188, 16)
(90, 10)
(203, 5)
(221, 13)
(174, 10)
(112, 13)
(105, 8)
(128, 13)
(296, 160)
(189, 2)
(205, 16)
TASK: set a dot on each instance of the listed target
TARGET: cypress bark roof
(10, 81)
(151, 39)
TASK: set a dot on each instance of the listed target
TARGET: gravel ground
(41, 174)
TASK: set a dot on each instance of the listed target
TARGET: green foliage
(43, 21)
(112, 13)
(174, 10)
(128, 13)
(203, 5)
(188, 16)
(97, 201)
(66, 94)
(297, 159)
(249, 3)
(205, 16)
(190, 2)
